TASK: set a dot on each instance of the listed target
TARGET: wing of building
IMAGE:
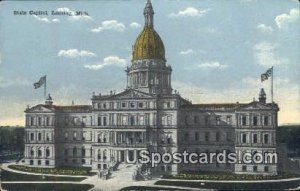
(148, 115)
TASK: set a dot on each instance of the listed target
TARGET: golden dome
(148, 45)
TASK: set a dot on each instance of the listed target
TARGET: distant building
(148, 115)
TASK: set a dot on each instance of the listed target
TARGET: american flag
(41, 81)
(267, 74)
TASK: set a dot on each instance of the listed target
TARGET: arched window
(104, 155)
(99, 154)
(31, 152)
(47, 152)
(83, 151)
(104, 138)
(39, 152)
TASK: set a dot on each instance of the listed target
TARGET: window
(47, 137)
(39, 153)
(244, 168)
(83, 161)
(47, 121)
(47, 162)
(254, 138)
(217, 136)
(218, 120)
(104, 139)
(228, 120)
(142, 120)
(255, 168)
(132, 105)
(83, 152)
(66, 136)
(244, 138)
(31, 136)
(66, 152)
(123, 105)
(104, 105)
(244, 120)
(196, 136)
(99, 105)
(255, 120)
(266, 138)
(124, 120)
(99, 121)
(169, 140)
(141, 105)
(132, 120)
(168, 104)
(47, 152)
(39, 120)
(31, 162)
(169, 120)
(39, 136)
(104, 121)
(39, 162)
(99, 138)
(74, 136)
(206, 136)
(266, 120)
(31, 120)
(186, 136)
(206, 120)
(266, 168)
(32, 152)
(66, 121)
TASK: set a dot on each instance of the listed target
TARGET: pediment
(256, 106)
(39, 109)
(132, 94)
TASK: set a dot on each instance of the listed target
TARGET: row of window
(75, 152)
(255, 120)
(40, 121)
(40, 153)
(39, 137)
(244, 138)
(207, 136)
(39, 162)
(208, 120)
(254, 168)
(126, 120)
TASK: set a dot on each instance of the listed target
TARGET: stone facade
(148, 115)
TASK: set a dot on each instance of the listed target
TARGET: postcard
(149, 95)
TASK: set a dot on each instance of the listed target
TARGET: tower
(149, 72)
(262, 96)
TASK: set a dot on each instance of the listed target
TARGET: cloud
(74, 53)
(264, 28)
(264, 53)
(186, 52)
(46, 20)
(72, 15)
(135, 25)
(212, 65)
(286, 18)
(108, 61)
(190, 12)
(109, 25)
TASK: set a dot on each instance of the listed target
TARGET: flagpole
(45, 87)
(272, 84)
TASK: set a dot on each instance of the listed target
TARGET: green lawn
(48, 187)
(226, 176)
(11, 176)
(83, 171)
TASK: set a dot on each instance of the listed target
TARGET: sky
(217, 50)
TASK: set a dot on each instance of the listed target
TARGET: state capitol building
(149, 115)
